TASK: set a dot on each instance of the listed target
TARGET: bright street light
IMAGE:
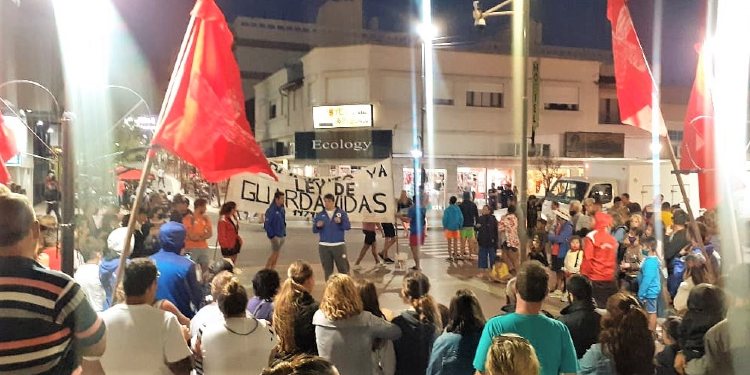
(427, 31)
(416, 153)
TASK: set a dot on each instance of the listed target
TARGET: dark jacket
(582, 321)
(414, 347)
(673, 245)
(275, 222)
(665, 360)
(453, 354)
(705, 309)
(304, 330)
(470, 212)
(487, 231)
(331, 232)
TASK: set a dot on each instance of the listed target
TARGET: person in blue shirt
(453, 221)
(275, 226)
(649, 280)
(331, 224)
(177, 282)
(550, 338)
(418, 227)
(453, 351)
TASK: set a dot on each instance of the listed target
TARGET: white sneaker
(564, 297)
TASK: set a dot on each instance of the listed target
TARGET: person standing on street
(331, 224)
(229, 228)
(52, 195)
(600, 259)
(160, 178)
(471, 214)
(453, 221)
(389, 232)
(275, 226)
(417, 228)
(198, 229)
(487, 236)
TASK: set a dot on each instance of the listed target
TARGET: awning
(133, 175)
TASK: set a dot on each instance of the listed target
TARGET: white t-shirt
(142, 339)
(237, 346)
(87, 275)
(207, 314)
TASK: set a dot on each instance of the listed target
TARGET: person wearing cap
(178, 282)
(111, 261)
(559, 238)
(600, 259)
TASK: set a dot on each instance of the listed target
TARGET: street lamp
(520, 13)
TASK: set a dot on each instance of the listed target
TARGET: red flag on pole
(697, 150)
(8, 150)
(635, 84)
(203, 120)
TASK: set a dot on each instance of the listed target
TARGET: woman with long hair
(626, 344)
(240, 344)
(453, 352)
(511, 354)
(293, 314)
(384, 356)
(303, 365)
(420, 325)
(228, 231)
(345, 333)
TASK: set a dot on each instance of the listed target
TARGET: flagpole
(692, 225)
(151, 153)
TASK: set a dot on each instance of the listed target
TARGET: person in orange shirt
(198, 228)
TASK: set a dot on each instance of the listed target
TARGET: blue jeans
(486, 257)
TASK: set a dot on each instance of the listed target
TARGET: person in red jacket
(600, 259)
(228, 231)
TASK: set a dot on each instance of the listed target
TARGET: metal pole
(68, 196)
(693, 227)
(520, 96)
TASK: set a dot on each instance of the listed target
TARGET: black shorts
(369, 237)
(389, 230)
(557, 264)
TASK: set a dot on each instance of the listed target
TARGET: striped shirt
(44, 319)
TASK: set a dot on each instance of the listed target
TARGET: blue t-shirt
(649, 279)
(550, 339)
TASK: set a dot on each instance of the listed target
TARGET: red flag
(8, 150)
(697, 149)
(203, 119)
(635, 84)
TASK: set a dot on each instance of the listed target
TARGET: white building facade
(475, 142)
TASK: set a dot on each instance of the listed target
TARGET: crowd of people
(635, 305)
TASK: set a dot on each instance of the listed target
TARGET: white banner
(366, 195)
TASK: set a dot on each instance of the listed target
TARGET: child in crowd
(370, 243)
(649, 281)
(500, 272)
(511, 354)
(536, 251)
(572, 262)
(631, 261)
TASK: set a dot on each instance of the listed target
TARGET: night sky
(572, 23)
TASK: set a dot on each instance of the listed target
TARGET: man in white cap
(111, 260)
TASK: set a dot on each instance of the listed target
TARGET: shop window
(609, 111)
(272, 111)
(484, 99)
(560, 98)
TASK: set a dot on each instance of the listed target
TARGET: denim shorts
(649, 304)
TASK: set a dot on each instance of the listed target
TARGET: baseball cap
(116, 240)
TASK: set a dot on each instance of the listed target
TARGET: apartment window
(609, 111)
(437, 101)
(560, 98)
(272, 111)
(484, 99)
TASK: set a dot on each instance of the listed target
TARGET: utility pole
(68, 194)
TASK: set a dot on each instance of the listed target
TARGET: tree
(549, 167)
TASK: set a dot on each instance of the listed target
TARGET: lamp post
(520, 55)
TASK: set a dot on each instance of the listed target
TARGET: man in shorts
(199, 229)
(471, 215)
(389, 232)
(275, 226)
(417, 228)
(453, 221)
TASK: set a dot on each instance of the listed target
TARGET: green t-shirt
(550, 339)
